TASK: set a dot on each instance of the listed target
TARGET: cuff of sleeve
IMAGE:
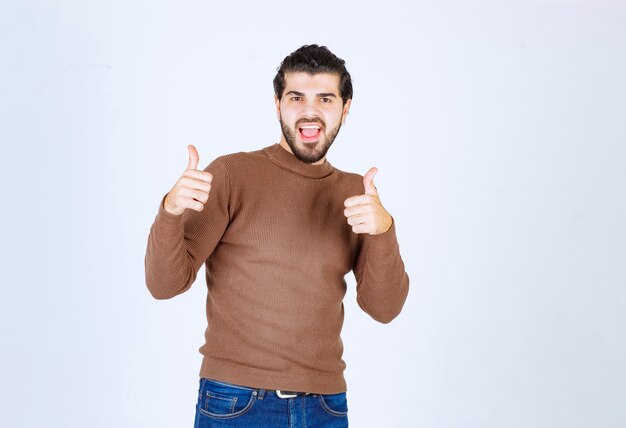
(386, 239)
(390, 232)
(167, 217)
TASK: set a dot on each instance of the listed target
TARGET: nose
(309, 109)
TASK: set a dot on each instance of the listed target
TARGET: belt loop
(260, 393)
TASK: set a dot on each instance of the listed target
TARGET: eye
(325, 99)
(295, 98)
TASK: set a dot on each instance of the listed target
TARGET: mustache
(310, 120)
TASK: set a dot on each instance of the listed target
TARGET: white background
(499, 132)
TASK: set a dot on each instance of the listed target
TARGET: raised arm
(191, 219)
(382, 284)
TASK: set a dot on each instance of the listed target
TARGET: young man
(277, 230)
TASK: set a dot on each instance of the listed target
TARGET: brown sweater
(276, 246)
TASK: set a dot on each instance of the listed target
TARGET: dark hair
(314, 59)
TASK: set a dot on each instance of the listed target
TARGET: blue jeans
(223, 404)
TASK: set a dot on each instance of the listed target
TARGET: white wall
(499, 132)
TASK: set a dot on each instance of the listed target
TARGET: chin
(310, 145)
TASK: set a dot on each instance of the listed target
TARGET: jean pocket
(221, 400)
(334, 404)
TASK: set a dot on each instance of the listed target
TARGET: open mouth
(310, 132)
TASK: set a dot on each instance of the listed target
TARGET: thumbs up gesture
(192, 188)
(365, 213)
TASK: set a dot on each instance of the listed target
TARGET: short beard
(312, 155)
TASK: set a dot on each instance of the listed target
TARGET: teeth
(310, 127)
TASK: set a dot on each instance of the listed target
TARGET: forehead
(304, 82)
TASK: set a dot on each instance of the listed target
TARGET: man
(278, 229)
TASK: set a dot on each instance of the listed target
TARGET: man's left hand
(364, 212)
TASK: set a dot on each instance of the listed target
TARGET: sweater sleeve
(179, 244)
(382, 285)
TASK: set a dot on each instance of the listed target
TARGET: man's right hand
(192, 188)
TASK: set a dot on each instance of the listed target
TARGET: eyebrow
(301, 94)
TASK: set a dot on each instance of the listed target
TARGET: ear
(277, 102)
(346, 110)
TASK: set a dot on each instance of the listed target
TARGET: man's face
(310, 113)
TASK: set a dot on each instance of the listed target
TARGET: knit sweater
(276, 246)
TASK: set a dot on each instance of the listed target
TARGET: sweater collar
(288, 161)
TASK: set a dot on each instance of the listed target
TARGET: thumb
(194, 158)
(368, 182)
